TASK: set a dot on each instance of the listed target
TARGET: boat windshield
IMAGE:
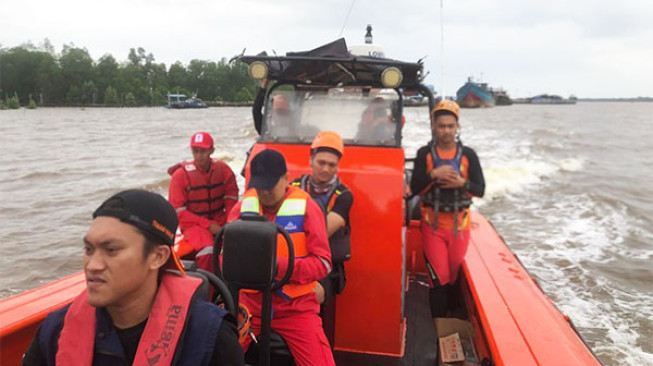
(360, 115)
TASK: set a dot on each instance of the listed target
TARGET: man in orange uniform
(203, 191)
(446, 175)
(335, 199)
(294, 307)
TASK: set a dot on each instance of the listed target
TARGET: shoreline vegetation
(32, 76)
(38, 76)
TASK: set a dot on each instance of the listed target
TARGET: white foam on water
(512, 177)
(577, 235)
(572, 164)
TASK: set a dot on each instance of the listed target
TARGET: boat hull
(473, 95)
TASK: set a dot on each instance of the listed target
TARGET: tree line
(32, 75)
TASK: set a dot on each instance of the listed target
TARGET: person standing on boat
(295, 309)
(135, 311)
(376, 123)
(203, 191)
(446, 175)
(281, 118)
(335, 200)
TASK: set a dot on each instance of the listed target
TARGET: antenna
(442, 95)
(346, 18)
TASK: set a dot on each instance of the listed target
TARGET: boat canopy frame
(332, 66)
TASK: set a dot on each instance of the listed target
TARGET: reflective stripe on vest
(291, 217)
(204, 251)
(160, 337)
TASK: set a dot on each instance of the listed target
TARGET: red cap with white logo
(201, 139)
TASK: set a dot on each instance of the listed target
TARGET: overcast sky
(589, 48)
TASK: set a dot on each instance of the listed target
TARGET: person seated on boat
(281, 121)
(446, 175)
(335, 200)
(202, 191)
(284, 119)
(294, 307)
(133, 310)
(376, 123)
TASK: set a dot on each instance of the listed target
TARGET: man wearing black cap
(133, 311)
(295, 307)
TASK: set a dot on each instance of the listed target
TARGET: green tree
(111, 97)
(130, 100)
(77, 67)
(106, 72)
(244, 95)
(74, 78)
(13, 102)
(88, 93)
(177, 76)
(17, 67)
(74, 95)
(32, 103)
(49, 81)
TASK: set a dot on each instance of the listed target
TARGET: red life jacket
(205, 195)
(291, 217)
(160, 337)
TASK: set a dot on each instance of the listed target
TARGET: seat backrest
(249, 252)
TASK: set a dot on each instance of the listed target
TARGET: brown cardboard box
(448, 326)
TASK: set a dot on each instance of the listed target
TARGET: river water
(567, 187)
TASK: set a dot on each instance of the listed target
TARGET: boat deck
(421, 341)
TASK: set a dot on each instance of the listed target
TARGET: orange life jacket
(161, 334)
(445, 215)
(291, 217)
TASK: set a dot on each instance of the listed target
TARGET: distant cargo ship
(475, 95)
(501, 97)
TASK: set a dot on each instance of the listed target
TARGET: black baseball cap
(147, 211)
(266, 169)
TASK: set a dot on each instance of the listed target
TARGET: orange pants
(304, 335)
(443, 253)
(201, 240)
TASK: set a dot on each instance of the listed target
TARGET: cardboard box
(450, 329)
(451, 350)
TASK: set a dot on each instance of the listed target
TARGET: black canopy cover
(332, 64)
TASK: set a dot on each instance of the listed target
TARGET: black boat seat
(413, 211)
(204, 290)
(279, 352)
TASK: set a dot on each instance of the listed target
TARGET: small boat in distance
(475, 95)
(546, 99)
(181, 101)
(552, 99)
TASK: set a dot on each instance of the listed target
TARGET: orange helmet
(448, 106)
(330, 140)
(280, 102)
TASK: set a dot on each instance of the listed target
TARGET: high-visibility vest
(291, 217)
